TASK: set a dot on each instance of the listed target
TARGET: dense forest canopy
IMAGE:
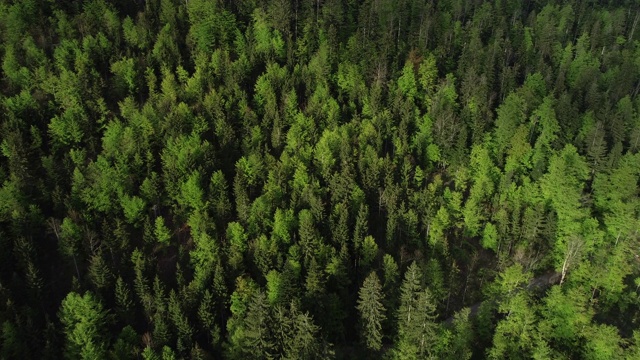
(252, 179)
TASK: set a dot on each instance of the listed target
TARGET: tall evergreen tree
(416, 317)
(258, 339)
(85, 322)
(372, 312)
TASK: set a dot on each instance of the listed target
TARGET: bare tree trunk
(564, 269)
(633, 28)
(296, 19)
(573, 250)
(428, 230)
(76, 265)
(398, 37)
(54, 224)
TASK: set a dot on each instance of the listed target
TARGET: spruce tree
(371, 312)
(416, 317)
(258, 339)
(85, 322)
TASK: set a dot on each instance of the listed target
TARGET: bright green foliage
(634, 348)
(483, 173)
(133, 34)
(66, 129)
(510, 116)
(125, 72)
(350, 80)
(369, 250)
(603, 342)
(326, 150)
(428, 77)
(274, 287)
(617, 196)
(161, 232)
(565, 316)
(490, 237)
(180, 156)
(106, 185)
(240, 298)
(250, 168)
(407, 82)
(133, 208)
(149, 354)
(519, 151)
(237, 238)
(166, 353)
(443, 109)
(224, 175)
(511, 280)
(517, 333)
(441, 221)
(191, 193)
(17, 74)
(518, 330)
(268, 42)
(84, 321)
(562, 187)
(283, 222)
(206, 251)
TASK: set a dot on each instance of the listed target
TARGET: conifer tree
(258, 342)
(85, 322)
(372, 312)
(416, 317)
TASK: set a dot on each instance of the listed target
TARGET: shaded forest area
(319, 179)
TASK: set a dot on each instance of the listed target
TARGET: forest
(319, 179)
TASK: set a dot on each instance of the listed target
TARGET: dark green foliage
(228, 179)
(416, 318)
(372, 312)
